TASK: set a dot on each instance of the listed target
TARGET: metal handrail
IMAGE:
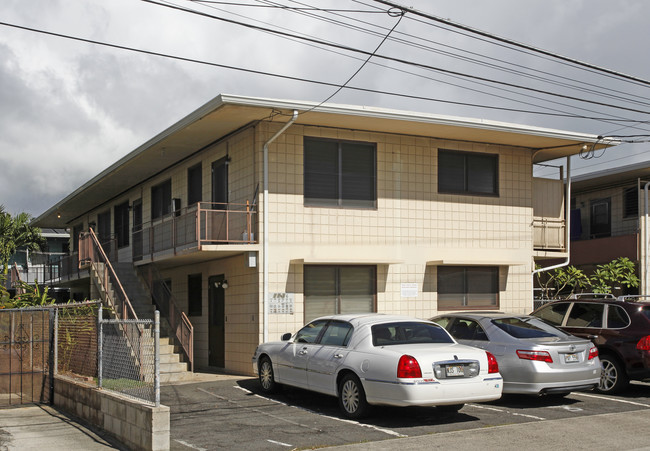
(91, 252)
(178, 320)
(200, 224)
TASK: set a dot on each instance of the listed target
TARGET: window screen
(468, 287)
(467, 173)
(341, 174)
(339, 289)
(161, 199)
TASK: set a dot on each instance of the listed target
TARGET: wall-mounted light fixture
(221, 284)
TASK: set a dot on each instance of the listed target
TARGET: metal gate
(25, 356)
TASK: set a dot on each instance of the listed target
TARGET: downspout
(645, 240)
(265, 221)
(567, 230)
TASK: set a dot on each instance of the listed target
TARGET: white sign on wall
(281, 303)
(409, 290)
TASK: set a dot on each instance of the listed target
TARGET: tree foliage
(16, 232)
(565, 281)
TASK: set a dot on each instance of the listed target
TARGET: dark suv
(619, 327)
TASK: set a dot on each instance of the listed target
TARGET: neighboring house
(607, 213)
(41, 266)
(368, 210)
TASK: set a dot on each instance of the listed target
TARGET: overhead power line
(398, 60)
(515, 43)
(305, 80)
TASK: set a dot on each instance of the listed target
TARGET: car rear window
(400, 333)
(526, 328)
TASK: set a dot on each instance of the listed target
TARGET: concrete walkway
(39, 428)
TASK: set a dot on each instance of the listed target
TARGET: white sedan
(380, 360)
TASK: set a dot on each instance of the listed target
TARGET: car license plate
(568, 358)
(454, 370)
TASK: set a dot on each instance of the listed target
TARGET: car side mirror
(286, 337)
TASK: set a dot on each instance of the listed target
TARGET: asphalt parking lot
(233, 414)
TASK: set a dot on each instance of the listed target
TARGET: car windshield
(400, 333)
(527, 327)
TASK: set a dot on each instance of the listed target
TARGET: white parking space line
(279, 443)
(189, 445)
(259, 411)
(516, 414)
(625, 401)
(370, 426)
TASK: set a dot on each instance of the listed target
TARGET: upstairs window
(340, 174)
(161, 199)
(467, 173)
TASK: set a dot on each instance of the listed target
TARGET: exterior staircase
(172, 366)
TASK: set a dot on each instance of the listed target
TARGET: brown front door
(216, 322)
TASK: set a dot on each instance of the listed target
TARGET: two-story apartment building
(262, 214)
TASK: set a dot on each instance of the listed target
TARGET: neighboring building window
(468, 287)
(161, 199)
(121, 224)
(601, 223)
(467, 173)
(194, 184)
(340, 173)
(339, 289)
(104, 227)
(194, 295)
(631, 203)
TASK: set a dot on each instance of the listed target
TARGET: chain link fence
(117, 355)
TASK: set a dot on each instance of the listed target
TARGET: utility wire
(515, 43)
(304, 80)
(474, 59)
(399, 60)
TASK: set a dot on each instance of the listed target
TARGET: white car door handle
(338, 356)
(303, 351)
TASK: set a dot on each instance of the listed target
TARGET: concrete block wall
(136, 425)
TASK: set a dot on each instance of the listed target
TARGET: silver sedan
(534, 357)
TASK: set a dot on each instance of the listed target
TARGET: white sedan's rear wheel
(352, 397)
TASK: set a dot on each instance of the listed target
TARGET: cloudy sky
(69, 107)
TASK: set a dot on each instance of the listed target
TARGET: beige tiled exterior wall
(412, 230)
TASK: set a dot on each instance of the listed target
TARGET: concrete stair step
(176, 367)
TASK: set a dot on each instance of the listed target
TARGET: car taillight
(644, 344)
(541, 356)
(493, 366)
(408, 367)
(593, 353)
